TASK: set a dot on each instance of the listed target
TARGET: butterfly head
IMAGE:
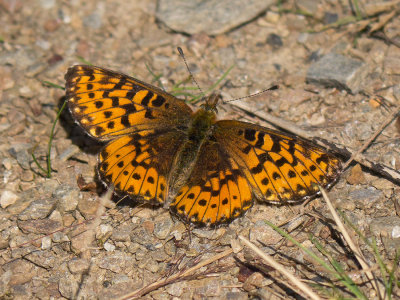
(211, 102)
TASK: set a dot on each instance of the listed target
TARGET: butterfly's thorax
(198, 131)
(200, 125)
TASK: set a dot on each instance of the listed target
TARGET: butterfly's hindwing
(215, 192)
(139, 164)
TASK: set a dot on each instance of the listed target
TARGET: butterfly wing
(216, 191)
(279, 168)
(242, 160)
(139, 164)
(108, 104)
(145, 125)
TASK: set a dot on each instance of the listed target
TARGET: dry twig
(181, 275)
(356, 250)
(270, 261)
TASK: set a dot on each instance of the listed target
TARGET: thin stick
(277, 266)
(276, 121)
(356, 250)
(391, 118)
(179, 276)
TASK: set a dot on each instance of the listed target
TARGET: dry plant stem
(270, 261)
(356, 250)
(385, 171)
(373, 137)
(173, 278)
(100, 212)
(287, 125)
(91, 230)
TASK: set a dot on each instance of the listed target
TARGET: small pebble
(66, 197)
(274, 40)
(396, 232)
(78, 265)
(236, 246)
(108, 246)
(7, 198)
(356, 175)
(46, 243)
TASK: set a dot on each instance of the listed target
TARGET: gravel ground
(60, 237)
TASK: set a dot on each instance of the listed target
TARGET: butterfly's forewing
(108, 104)
(279, 168)
(215, 192)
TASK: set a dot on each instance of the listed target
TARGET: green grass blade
(52, 137)
(156, 77)
(48, 171)
(383, 268)
(392, 276)
(51, 84)
(337, 271)
(84, 61)
(306, 250)
(37, 163)
(357, 10)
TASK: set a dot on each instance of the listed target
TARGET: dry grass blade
(356, 250)
(382, 21)
(287, 125)
(270, 261)
(374, 8)
(101, 209)
(175, 277)
(354, 156)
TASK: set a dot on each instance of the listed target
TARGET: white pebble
(396, 232)
(7, 198)
(108, 246)
(46, 243)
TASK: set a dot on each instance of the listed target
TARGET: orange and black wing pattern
(217, 167)
(108, 104)
(278, 167)
(216, 191)
(144, 126)
(139, 164)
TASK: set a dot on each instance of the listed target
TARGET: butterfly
(161, 151)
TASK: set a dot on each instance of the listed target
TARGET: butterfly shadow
(86, 144)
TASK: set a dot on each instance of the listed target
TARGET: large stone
(335, 70)
(209, 16)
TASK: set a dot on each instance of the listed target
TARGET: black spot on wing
(129, 108)
(250, 134)
(145, 101)
(158, 101)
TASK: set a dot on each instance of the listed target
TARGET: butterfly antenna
(187, 67)
(274, 87)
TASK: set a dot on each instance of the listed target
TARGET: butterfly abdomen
(197, 132)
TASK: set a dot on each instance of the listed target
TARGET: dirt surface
(61, 239)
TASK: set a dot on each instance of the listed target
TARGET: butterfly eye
(211, 102)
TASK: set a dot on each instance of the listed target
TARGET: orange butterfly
(160, 150)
